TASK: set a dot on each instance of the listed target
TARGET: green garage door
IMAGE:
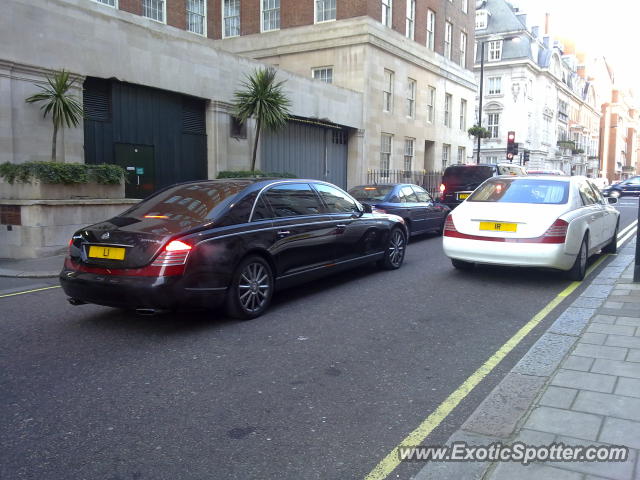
(307, 150)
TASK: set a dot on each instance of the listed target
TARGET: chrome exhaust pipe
(75, 301)
(147, 311)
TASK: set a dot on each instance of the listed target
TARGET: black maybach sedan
(230, 242)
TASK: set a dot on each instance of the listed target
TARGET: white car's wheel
(579, 268)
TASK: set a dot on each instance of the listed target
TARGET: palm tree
(263, 98)
(65, 109)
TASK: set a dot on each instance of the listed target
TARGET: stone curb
(22, 274)
(502, 412)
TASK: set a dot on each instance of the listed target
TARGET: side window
(336, 200)
(633, 181)
(261, 211)
(293, 200)
(596, 193)
(587, 195)
(422, 195)
(407, 195)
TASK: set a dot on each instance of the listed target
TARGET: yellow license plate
(498, 227)
(463, 196)
(110, 253)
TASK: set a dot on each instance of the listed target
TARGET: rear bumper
(163, 293)
(509, 254)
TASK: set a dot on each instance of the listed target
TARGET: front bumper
(544, 255)
(161, 293)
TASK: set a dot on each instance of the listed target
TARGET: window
(411, 18)
(481, 19)
(196, 14)
(411, 97)
(563, 109)
(465, 6)
(153, 9)
(448, 36)
(385, 152)
(325, 10)
(431, 101)
(495, 85)
(463, 114)
(407, 195)
(336, 200)
(522, 190)
(431, 30)
(493, 124)
(238, 129)
(492, 159)
(447, 109)
(270, 15)
(386, 12)
(387, 92)
(462, 154)
(495, 50)
(293, 200)
(111, 3)
(587, 195)
(324, 74)
(409, 153)
(463, 49)
(422, 194)
(231, 18)
(446, 154)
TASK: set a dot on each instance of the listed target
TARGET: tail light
(174, 253)
(449, 227)
(556, 233)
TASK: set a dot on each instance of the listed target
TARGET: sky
(610, 28)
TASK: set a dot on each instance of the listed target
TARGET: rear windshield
(511, 170)
(522, 190)
(187, 205)
(371, 193)
(463, 175)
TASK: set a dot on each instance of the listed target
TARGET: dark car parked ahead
(420, 212)
(625, 188)
(459, 181)
(232, 241)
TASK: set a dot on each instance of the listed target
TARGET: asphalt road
(323, 386)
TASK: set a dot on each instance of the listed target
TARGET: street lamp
(482, 43)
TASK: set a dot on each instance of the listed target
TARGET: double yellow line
(29, 291)
(417, 436)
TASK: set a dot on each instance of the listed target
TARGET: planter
(37, 190)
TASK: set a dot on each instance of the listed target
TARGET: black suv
(459, 181)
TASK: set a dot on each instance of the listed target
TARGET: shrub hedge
(61, 173)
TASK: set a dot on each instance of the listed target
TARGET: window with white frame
(431, 103)
(411, 19)
(462, 154)
(231, 18)
(411, 97)
(153, 9)
(386, 12)
(546, 130)
(385, 152)
(270, 15)
(463, 114)
(409, 153)
(465, 6)
(463, 49)
(324, 74)
(325, 10)
(111, 3)
(447, 109)
(495, 85)
(493, 124)
(481, 19)
(446, 154)
(387, 91)
(196, 14)
(431, 30)
(491, 159)
(448, 37)
(495, 50)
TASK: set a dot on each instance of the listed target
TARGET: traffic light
(525, 157)
(512, 146)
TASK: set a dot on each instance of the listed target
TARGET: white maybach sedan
(532, 221)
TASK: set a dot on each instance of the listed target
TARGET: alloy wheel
(254, 287)
(396, 248)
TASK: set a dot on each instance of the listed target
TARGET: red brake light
(177, 246)
(449, 227)
(556, 233)
(442, 188)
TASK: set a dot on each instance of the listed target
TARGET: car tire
(461, 264)
(249, 294)
(612, 246)
(579, 268)
(395, 250)
(407, 225)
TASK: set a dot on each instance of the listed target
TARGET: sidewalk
(32, 267)
(579, 384)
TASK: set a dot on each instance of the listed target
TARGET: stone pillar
(6, 115)
(357, 164)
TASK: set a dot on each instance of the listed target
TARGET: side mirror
(612, 200)
(366, 208)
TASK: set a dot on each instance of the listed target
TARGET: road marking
(628, 236)
(29, 291)
(389, 463)
(627, 228)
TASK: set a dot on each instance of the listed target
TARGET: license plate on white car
(498, 227)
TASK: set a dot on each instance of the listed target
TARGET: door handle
(341, 225)
(283, 233)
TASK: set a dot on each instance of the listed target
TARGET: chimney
(535, 31)
(547, 21)
(523, 19)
